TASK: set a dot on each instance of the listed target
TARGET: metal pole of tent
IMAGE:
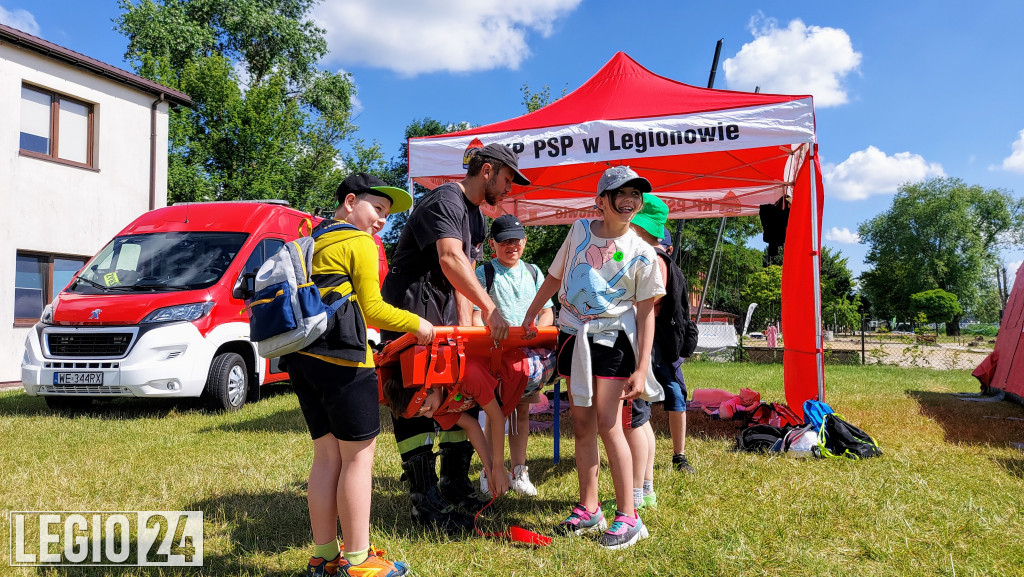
(711, 267)
(815, 251)
(677, 255)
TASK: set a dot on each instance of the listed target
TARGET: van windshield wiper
(158, 286)
(92, 282)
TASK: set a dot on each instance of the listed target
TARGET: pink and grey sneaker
(624, 532)
(581, 521)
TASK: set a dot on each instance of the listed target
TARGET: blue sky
(903, 90)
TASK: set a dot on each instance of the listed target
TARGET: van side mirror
(245, 286)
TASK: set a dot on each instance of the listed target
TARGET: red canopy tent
(708, 153)
(1004, 367)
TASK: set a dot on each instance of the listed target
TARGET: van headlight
(190, 312)
(47, 318)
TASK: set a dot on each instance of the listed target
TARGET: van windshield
(160, 262)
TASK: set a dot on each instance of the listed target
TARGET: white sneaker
(521, 481)
(483, 484)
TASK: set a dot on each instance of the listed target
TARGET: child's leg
(517, 437)
(322, 492)
(609, 426)
(677, 428)
(637, 441)
(651, 443)
(584, 429)
(355, 488)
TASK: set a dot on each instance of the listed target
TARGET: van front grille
(82, 344)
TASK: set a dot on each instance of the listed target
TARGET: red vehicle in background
(160, 310)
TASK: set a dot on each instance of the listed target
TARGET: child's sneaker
(374, 566)
(581, 521)
(521, 481)
(680, 463)
(319, 567)
(624, 532)
(650, 500)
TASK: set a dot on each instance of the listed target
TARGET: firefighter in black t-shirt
(432, 275)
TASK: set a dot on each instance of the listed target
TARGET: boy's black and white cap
(618, 176)
(505, 227)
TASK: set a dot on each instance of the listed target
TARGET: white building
(83, 152)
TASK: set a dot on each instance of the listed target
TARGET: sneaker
(624, 532)
(375, 565)
(680, 463)
(486, 491)
(521, 481)
(319, 567)
(581, 521)
(650, 501)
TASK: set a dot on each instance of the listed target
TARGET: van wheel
(228, 383)
(68, 404)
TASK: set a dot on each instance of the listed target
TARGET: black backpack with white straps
(674, 333)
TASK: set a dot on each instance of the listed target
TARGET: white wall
(54, 208)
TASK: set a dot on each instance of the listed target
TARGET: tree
(937, 305)
(839, 304)
(764, 287)
(938, 234)
(267, 122)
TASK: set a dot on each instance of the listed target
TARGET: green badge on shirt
(617, 256)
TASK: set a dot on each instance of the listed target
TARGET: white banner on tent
(689, 204)
(779, 124)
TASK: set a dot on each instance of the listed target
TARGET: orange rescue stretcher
(443, 362)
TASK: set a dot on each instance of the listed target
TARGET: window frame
(48, 288)
(53, 156)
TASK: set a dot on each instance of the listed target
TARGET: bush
(985, 330)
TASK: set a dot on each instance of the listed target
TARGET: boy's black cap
(504, 154)
(505, 227)
(361, 183)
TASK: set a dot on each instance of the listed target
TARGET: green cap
(652, 215)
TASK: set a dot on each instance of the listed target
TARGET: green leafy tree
(937, 305)
(839, 304)
(938, 234)
(267, 122)
(764, 287)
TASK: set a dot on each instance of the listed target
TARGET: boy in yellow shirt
(336, 383)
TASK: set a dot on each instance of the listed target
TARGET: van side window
(264, 250)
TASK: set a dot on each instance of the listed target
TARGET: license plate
(78, 378)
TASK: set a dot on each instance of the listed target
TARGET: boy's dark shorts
(669, 375)
(335, 399)
(614, 362)
(635, 413)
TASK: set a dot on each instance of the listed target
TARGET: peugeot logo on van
(95, 314)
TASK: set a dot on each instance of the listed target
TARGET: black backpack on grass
(760, 438)
(674, 333)
(838, 438)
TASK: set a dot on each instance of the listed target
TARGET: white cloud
(842, 235)
(798, 59)
(21, 19)
(417, 36)
(1015, 162)
(871, 172)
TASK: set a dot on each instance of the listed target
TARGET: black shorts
(635, 413)
(614, 362)
(335, 399)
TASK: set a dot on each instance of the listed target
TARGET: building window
(56, 127)
(37, 279)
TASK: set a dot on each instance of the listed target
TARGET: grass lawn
(945, 499)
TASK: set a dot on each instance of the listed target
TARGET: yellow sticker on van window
(111, 279)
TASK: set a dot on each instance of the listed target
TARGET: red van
(160, 311)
